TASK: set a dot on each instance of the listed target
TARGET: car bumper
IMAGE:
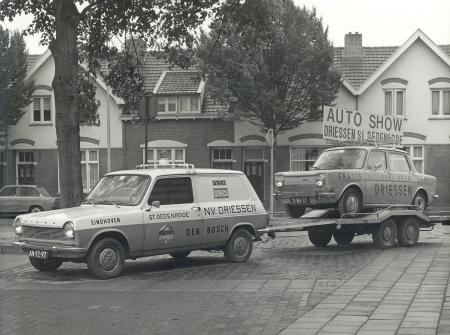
(55, 250)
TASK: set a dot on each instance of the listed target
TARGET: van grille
(43, 233)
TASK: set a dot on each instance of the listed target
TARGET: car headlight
(69, 231)
(279, 181)
(320, 180)
(17, 225)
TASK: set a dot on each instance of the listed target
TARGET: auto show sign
(343, 125)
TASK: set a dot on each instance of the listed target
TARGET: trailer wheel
(386, 235)
(319, 238)
(408, 232)
(350, 202)
(295, 211)
(343, 237)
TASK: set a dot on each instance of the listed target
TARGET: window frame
(441, 92)
(88, 163)
(409, 148)
(41, 109)
(393, 103)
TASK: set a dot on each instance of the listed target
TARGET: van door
(177, 221)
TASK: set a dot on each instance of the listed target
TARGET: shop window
(41, 109)
(89, 169)
(416, 153)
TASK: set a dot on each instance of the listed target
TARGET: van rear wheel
(239, 247)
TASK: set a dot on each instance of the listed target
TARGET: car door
(28, 197)
(376, 176)
(400, 189)
(9, 199)
(174, 219)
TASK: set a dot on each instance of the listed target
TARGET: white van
(144, 212)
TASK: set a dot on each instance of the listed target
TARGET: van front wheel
(239, 247)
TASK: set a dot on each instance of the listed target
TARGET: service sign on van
(342, 125)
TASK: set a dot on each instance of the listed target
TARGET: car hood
(57, 218)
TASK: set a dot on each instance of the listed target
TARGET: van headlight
(17, 225)
(320, 180)
(279, 181)
(69, 231)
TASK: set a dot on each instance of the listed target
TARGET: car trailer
(401, 223)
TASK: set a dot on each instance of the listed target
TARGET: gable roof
(34, 62)
(358, 74)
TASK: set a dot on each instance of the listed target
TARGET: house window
(222, 159)
(302, 159)
(440, 102)
(174, 155)
(89, 169)
(25, 167)
(167, 105)
(189, 104)
(394, 101)
(416, 153)
(41, 109)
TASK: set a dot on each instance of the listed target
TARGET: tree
(80, 31)
(273, 57)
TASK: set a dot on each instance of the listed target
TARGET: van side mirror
(156, 203)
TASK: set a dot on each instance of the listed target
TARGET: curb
(9, 248)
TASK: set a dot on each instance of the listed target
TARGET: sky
(381, 22)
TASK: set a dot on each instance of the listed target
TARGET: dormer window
(189, 104)
(41, 109)
(181, 104)
(167, 105)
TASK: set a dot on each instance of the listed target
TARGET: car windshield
(341, 159)
(118, 190)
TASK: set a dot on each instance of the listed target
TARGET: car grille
(43, 233)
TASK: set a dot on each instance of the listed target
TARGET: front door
(177, 222)
(26, 174)
(255, 173)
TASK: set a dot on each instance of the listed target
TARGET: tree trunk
(65, 54)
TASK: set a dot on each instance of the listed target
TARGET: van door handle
(196, 208)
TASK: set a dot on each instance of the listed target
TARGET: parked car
(353, 178)
(138, 213)
(25, 198)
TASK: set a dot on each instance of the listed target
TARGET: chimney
(353, 45)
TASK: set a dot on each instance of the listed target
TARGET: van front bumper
(54, 250)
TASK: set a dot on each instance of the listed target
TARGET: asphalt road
(285, 281)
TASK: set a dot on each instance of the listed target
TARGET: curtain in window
(388, 103)
(445, 103)
(399, 103)
(435, 102)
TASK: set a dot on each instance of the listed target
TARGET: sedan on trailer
(353, 178)
(25, 198)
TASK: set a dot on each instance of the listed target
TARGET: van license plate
(300, 200)
(41, 254)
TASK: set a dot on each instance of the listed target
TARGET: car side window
(376, 160)
(170, 191)
(398, 163)
(29, 192)
(9, 192)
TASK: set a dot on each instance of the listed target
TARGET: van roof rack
(165, 164)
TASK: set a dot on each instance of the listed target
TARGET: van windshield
(117, 190)
(341, 159)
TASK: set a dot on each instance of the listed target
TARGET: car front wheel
(35, 209)
(350, 202)
(420, 200)
(50, 264)
(239, 247)
(106, 258)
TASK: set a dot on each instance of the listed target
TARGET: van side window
(170, 191)
(399, 163)
(376, 160)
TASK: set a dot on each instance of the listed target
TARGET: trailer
(396, 223)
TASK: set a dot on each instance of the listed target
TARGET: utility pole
(108, 130)
(270, 140)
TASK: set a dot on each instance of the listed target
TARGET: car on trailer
(352, 179)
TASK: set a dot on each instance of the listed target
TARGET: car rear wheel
(34, 209)
(343, 237)
(180, 254)
(386, 234)
(106, 258)
(420, 200)
(50, 264)
(295, 211)
(408, 232)
(319, 238)
(350, 202)
(239, 247)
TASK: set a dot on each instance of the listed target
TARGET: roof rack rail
(165, 164)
